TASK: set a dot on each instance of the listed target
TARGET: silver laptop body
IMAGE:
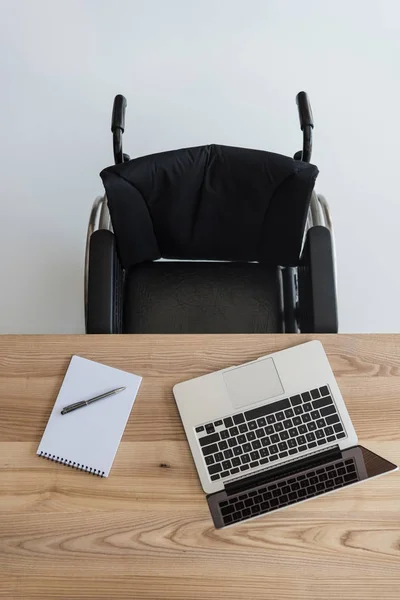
(270, 425)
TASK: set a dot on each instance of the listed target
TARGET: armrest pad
(316, 284)
(105, 284)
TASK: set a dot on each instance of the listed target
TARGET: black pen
(82, 403)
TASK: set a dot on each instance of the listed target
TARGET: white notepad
(88, 438)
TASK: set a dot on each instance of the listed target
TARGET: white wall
(224, 71)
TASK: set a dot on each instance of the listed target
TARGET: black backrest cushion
(210, 203)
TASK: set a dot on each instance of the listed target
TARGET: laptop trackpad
(253, 383)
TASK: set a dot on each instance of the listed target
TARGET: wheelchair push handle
(118, 113)
(306, 125)
(305, 112)
(118, 128)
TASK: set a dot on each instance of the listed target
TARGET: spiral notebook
(88, 438)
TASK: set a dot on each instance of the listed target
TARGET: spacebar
(267, 409)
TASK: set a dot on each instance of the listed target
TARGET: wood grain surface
(145, 532)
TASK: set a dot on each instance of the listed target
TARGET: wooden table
(145, 532)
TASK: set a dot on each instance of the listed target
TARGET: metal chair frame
(319, 212)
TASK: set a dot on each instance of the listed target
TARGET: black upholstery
(180, 297)
(105, 285)
(210, 203)
(231, 223)
(317, 307)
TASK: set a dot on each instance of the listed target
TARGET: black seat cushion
(201, 297)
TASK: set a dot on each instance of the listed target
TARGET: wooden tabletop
(146, 532)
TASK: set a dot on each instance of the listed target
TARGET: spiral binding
(73, 465)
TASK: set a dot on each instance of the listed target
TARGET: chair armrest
(317, 304)
(105, 285)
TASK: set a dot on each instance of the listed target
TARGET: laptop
(271, 433)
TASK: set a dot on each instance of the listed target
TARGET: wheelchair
(174, 289)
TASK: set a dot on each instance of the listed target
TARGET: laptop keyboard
(288, 491)
(263, 435)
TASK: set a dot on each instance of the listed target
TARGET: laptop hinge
(261, 477)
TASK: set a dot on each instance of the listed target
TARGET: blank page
(88, 438)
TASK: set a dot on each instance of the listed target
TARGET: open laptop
(271, 433)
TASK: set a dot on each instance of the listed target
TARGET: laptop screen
(295, 485)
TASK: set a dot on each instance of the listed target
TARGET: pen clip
(71, 407)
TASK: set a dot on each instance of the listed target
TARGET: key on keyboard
(285, 427)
